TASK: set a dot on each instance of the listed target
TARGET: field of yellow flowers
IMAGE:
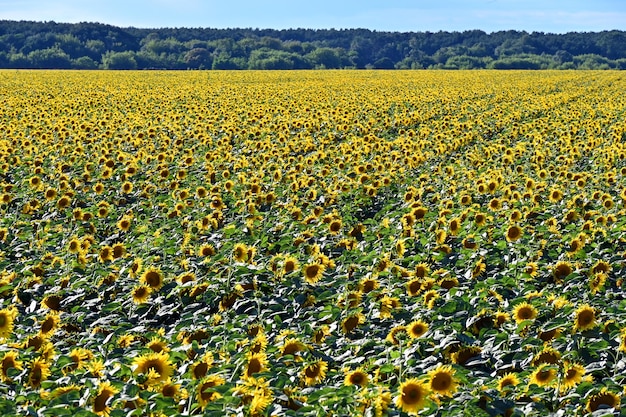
(312, 243)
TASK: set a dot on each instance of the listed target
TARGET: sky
(550, 16)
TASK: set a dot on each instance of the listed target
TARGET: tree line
(87, 45)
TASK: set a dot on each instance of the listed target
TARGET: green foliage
(59, 45)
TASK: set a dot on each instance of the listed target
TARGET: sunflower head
(313, 272)
(603, 399)
(585, 318)
(7, 317)
(140, 294)
(412, 396)
(573, 374)
(417, 329)
(442, 381)
(524, 311)
(507, 381)
(153, 278)
(357, 377)
(544, 375)
(315, 372)
(206, 390)
(105, 392)
(514, 233)
(155, 366)
(561, 270)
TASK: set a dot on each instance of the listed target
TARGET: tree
(84, 62)
(119, 60)
(324, 58)
(49, 58)
(199, 58)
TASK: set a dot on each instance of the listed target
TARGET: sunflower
(555, 196)
(127, 187)
(367, 285)
(315, 372)
(320, 334)
(153, 278)
(507, 380)
(205, 392)
(394, 333)
(50, 194)
(585, 318)
(469, 242)
(466, 200)
(119, 250)
(547, 355)
(49, 324)
(156, 344)
(575, 245)
(290, 264)
(464, 354)
(442, 380)
(544, 375)
(155, 366)
(514, 233)
(39, 372)
(141, 293)
(495, 204)
(313, 272)
(257, 362)
(524, 311)
(9, 361)
(105, 392)
(64, 202)
(573, 374)
(430, 297)
(412, 396)
(596, 282)
(352, 322)
(135, 267)
(479, 268)
(454, 226)
(335, 226)
(561, 270)
(7, 317)
(206, 251)
(199, 369)
(357, 377)
(291, 346)
(480, 219)
(79, 357)
(601, 267)
(171, 390)
(532, 269)
(603, 399)
(106, 253)
(417, 329)
(422, 270)
(240, 252)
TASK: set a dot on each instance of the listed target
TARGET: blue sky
(555, 16)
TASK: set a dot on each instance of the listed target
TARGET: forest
(89, 45)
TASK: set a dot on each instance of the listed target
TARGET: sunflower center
(200, 370)
(153, 279)
(585, 318)
(412, 395)
(254, 366)
(441, 382)
(312, 371)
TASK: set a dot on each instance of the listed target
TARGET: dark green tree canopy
(86, 45)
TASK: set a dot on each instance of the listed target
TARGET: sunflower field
(312, 243)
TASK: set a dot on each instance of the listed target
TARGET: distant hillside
(94, 45)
